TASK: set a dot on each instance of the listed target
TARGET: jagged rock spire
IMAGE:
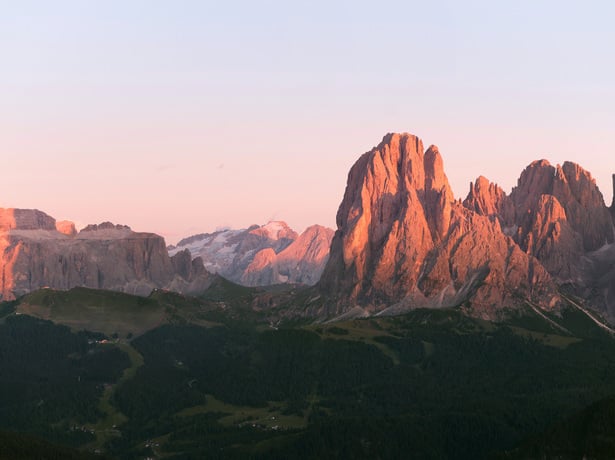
(403, 238)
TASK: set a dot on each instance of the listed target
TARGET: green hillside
(111, 313)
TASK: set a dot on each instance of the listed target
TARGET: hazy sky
(179, 117)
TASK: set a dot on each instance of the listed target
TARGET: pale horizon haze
(181, 117)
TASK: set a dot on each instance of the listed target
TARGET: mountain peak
(577, 193)
(402, 237)
(542, 163)
(488, 199)
(275, 230)
(397, 138)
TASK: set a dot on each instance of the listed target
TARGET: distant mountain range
(403, 242)
(36, 252)
(262, 255)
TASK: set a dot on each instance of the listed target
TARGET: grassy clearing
(364, 331)
(136, 361)
(269, 416)
(552, 340)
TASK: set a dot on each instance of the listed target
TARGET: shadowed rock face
(33, 254)
(612, 209)
(597, 285)
(402, 238)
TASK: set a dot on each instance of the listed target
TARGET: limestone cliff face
(34, 254)
(555, 213)
(263, 269)
(597, 280)
(402, 238)
(304, 259)
(488, 199)
(384, 233)
(25, 219)
(551, 239)
(577, 193)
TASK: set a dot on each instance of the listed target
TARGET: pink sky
(181, 121)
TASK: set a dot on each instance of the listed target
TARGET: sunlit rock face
(488, 199)
(67, 227)
(402, 238)
(36, 252)
(263, 255)
(555, 213)
(575, 190)
(301, 262)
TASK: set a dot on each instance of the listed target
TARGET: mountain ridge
(35, 254)
(262, 255)
(402, 239)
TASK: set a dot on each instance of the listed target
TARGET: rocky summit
(403, 241)
(37, 252)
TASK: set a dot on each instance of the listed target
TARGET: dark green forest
(429, 384)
